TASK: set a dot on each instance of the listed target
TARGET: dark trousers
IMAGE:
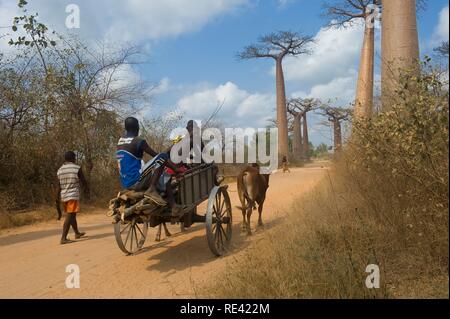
(151, 173)
(71, 220)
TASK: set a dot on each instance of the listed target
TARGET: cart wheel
(219, 220)
(131, 234)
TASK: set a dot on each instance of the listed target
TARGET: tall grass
(385, 202)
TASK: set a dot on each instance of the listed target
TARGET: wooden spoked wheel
(131, 234)
(219, 221)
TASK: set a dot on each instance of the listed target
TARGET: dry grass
(40, 214)
(323, 251)
(385, 202)
(37, 214)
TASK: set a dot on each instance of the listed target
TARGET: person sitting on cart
(148, 179)
(194, 149)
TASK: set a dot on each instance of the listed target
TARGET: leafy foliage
(56, 97)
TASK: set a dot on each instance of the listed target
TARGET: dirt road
(33, 264)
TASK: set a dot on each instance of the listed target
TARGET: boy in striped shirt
(68, 193)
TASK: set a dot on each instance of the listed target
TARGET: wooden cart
(193, 188)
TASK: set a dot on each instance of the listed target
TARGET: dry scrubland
(385, 202)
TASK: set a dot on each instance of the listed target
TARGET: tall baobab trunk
(281, 111)
(297, 138)
(364, 90)
(400, 44)
(305, 137)
(337, 136)
(300, 138)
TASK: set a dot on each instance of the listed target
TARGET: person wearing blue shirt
(129, 154)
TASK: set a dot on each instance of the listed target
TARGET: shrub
(385, 202)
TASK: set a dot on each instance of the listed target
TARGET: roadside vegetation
(384, 202)
(58, 93)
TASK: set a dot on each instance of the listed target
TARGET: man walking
(285, 165)
(70, 176)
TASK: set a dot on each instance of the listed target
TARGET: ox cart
(193, 188)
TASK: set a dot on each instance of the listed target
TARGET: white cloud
(331, 72)
(157, 19)
(8, 10)
(284, 3)
(341, 90)
(130, 20)
(335, 55)
(163, 86)
(240, 107)
(441, 31)
(126, 75)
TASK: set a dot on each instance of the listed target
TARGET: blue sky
(192, 44)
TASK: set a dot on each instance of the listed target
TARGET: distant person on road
(285, 165)
(70, 176)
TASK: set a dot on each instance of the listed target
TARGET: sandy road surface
(33, 264)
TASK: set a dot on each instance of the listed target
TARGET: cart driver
(198, 149)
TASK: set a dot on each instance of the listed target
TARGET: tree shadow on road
(195, 251)
(36, 235)
(95, 237)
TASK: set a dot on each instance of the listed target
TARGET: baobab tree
(299, 108)
(400, 44)
(296, 127)
(336, 116)
(343, 14)
(277, 46)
